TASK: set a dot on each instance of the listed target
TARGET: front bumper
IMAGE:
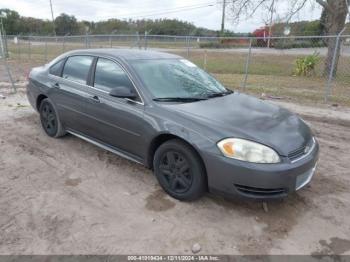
(232, 177)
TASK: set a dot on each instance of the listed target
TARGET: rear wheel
(50, 120)
(179, 170)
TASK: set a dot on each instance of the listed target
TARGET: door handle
(95, 99)
(56, 85)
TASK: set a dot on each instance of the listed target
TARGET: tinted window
(77, 68)
(109, 75)
(56, 69)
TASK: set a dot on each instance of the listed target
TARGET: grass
(296, 89)
(271, 74)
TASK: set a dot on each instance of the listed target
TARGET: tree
(323, 19)
(10, 21)
(334, 16)
(66, 24)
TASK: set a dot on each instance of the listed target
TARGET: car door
(72, 95)
(121, 121)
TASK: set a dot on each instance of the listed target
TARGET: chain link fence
(288, 68)
(3, 60)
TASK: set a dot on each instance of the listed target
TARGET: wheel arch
(162, 138)
(39, 99)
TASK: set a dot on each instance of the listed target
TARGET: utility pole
(223, 16)
(53, 20)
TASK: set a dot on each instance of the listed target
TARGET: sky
(199, 12)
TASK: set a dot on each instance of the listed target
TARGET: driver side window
(110, 75)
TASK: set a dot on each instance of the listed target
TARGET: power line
(147, 14)
(174, 11)
(165, 11)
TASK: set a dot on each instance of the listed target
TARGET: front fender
(171, 130)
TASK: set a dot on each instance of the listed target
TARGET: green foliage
(305, 66)
(68, 25)
(225, 43)
(154, 27)
(35, 26)
(214, 45)
(228, 33)
(298, 43)
(303, 28)
(11, 21)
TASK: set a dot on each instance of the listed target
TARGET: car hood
(242, 116)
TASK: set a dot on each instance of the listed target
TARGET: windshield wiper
(219, 94)
(178, 99)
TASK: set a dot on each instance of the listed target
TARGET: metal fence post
(3, 57)
(29, 49)
(247, 64)
(188, 46)
(138, 40)
(18, 49)
(110, 41)
(5, 46)
(63, 43)
(146, 39)
(205, 60)
(328, 88)
(87, 41)
(45, 50)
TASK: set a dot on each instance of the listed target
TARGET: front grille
(260, 192)
(298, 153)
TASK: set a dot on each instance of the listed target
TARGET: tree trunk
(335, 22)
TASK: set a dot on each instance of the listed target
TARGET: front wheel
(50, 120)
(179, 170)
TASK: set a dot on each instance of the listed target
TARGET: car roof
(126, 54)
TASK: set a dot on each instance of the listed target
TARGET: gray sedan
(162, 111)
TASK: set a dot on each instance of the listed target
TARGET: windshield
(176, 78)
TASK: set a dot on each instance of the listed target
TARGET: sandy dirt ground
(66, 196)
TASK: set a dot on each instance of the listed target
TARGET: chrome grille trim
(312, 147)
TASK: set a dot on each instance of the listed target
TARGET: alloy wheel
(48, 118)
(175, 169)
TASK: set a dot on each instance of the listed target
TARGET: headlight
(249, 151)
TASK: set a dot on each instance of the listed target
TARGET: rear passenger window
(109, 74)
(56, 69)
(77, 68)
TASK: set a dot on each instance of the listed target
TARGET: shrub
(305, 66)
(288, 43)
(223, 44)
(211, 45)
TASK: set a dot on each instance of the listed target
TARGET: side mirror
(122, 92)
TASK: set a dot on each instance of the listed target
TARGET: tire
(50, 120)
(179, 170)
